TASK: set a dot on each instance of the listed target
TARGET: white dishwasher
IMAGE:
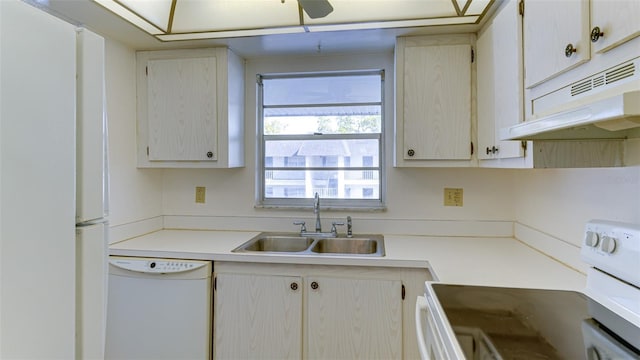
(159, 309)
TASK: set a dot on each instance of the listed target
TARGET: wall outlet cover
(200, 194)
(453, 196)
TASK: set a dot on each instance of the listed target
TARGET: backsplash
(554, 204)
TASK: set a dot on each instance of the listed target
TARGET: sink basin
(346, 246)
(294, 243)
(278, 243)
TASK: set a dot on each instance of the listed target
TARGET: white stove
(613, 280)
(603, 322)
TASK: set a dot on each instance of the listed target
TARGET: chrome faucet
(318, 231)
(316, 211)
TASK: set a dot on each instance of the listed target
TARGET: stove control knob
(608, 244)
(592, 239)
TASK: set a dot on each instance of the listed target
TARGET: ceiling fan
(316, 8)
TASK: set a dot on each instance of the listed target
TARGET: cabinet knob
(294, 286)
(596, 34)
(314, 285)
(488, 150)
(411, 152)
(569, 50)
(209, 154)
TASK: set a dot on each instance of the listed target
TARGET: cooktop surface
(533, 323)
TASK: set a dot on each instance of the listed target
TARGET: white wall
(414, 196)
(553, 205)
(136, 194)
(560, 201)
(549, 206)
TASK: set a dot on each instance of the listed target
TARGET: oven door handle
(421, 317)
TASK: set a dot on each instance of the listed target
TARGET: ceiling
(95, 17)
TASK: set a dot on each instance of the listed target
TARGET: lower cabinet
(353, 318)
(257, 316)
(314, 312)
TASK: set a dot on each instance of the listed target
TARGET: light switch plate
(453, 196)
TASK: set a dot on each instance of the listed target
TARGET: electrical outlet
(200, 194)
(452, 197)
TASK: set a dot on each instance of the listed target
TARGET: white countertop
(457, 260)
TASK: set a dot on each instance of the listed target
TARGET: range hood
(615, 117)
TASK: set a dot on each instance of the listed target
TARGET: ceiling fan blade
(316, 8)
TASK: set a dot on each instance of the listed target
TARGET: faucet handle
(333, 227)
(302, 227)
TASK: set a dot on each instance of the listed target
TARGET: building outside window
(321, 133)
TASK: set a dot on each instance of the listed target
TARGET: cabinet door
(486, 93)
(549, 27)
(437, 102)
(618, 20)
(354, 318)
(258, 316)
(181, 109)
(508, 92)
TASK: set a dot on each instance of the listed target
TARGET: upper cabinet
(556, 37)
(561, 35)
(575, 54)
(613, 23)
(190, 108)
(500, 93)
(433, 101)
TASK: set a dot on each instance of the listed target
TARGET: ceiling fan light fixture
(316, 8)
(178, 20)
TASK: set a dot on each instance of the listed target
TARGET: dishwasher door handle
(421, 317)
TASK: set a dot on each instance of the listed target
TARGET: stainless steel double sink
(297, 244)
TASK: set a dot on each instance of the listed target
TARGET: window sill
(368, 209)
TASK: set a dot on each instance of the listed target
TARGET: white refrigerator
(92, 196)
(52, 272)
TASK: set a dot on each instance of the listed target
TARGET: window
(321, 133)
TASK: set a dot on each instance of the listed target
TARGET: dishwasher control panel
(150, 265)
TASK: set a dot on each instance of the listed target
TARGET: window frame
(326, 203)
